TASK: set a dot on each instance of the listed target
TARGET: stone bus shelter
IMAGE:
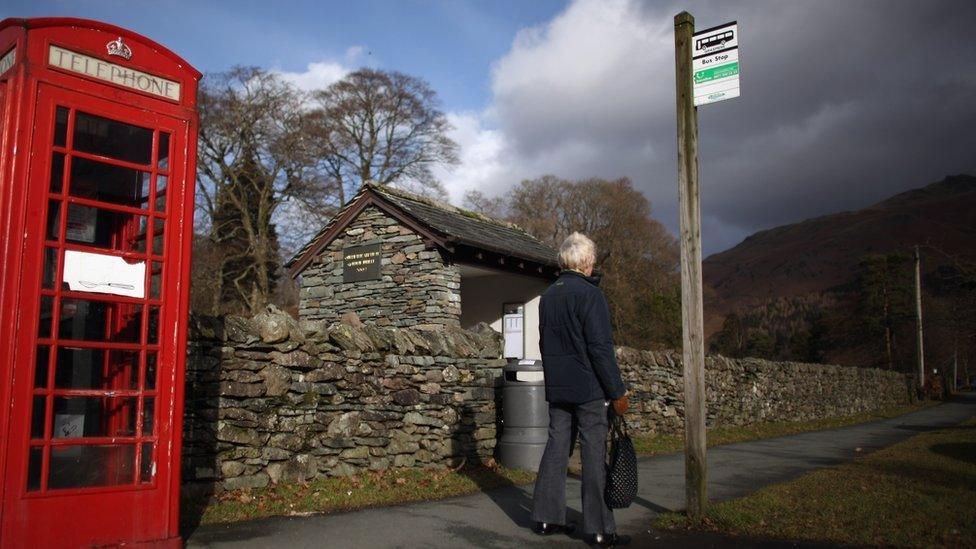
(399, 260)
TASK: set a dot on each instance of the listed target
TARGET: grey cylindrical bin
(525, 415)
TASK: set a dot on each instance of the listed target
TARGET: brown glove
(620, 405)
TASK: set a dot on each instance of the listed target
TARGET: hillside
(820, 253)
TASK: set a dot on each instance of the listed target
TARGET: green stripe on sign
(714, 73)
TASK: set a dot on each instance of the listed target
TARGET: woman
(582, 380)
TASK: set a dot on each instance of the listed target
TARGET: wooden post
(955, 365)
(696, 496)
(918, 321)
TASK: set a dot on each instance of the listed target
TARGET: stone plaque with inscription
(361, 263)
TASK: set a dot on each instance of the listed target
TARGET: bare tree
(636, 254)
(384, 127)
(492, 207)
(272, 157)
(254, 157)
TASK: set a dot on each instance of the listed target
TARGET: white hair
(577, 252)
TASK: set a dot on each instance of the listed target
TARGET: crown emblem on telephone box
(119, 48)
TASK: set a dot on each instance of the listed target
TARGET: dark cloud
(843, 104)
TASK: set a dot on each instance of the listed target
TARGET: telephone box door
(91, 441)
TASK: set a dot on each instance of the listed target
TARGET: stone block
(277, 380)
(237, 435)
(359, 452)
(343, 469)
(330, 371)
(416, 418)
(407, 397)
(259, 480)
(348, 425)
(297, 359)
(244, 390)
(404, 460)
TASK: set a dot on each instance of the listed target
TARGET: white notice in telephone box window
(68, 425)
(104, 274)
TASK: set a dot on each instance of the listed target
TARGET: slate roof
(457, 225)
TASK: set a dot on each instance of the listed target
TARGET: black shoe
(545, 529)
(610, 540)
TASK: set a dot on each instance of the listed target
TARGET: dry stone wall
(269, 400)
(417, 287)
(751, 390)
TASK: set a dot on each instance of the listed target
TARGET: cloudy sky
(843, 102)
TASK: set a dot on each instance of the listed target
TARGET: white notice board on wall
(513, 330)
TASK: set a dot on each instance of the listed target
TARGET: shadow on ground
(963, 451)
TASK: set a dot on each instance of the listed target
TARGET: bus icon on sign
(715, 40)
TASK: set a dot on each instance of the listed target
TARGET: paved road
(500, 518)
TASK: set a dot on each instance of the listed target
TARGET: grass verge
(917, 493)
(393, 487)
(650, 445)
(332, 495)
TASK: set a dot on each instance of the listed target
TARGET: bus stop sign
(715, 64)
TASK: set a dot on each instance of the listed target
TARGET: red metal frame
(124, 509)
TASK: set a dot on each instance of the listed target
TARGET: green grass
(650, 445)
(332, 495)
(918, 493)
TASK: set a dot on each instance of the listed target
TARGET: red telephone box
(97, 163)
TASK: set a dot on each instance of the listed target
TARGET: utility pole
(693, 356)
(918, 321)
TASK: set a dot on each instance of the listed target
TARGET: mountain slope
(820, 253)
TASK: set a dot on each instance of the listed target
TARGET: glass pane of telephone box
(57, 172)
(148, 416)
(60, 126)
(161, 183)
(53, 219)
(150, 370)
(153, 331)
(46, 314)
(41, 362)
(156, 280)
(92, 465)
(106, 228)
(104, 137)
(38, 411)
(82, 319)
(162, 159)
(158, 236)
(34, 462)
(108, 183)
(96, 369)
(50, 268)
(102, 416)
(148, 467)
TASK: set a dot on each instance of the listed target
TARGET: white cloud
(571, 97)
(320, 74)
(317, 75)
(482, 156)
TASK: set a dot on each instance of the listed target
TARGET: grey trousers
(549, 498)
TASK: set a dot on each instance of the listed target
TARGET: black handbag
(622, 469)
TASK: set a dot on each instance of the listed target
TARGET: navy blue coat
(577, 343)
